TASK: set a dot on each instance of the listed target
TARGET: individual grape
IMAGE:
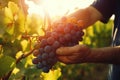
(35, 52)
(52, 54)
(56, 44)
(75, 28)
(44, 56)
(69, 25)
(47, 49)
(39, 65)
(50, 40)
(45, 69)
(76, 40)
(44, 62)
(81, 33)
(39, 57)
(41, 50)
(62, 40)
(50, 60)
(60, 28)
(54, 35)
(66, 29)
(73, 32)
(35, 61)
(67, 37)
(43, 42)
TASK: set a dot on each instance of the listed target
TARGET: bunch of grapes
(65, 33)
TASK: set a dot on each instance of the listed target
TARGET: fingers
(69, 59)
(66, 51)
(65, 60)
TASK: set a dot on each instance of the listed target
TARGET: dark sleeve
(105, 7)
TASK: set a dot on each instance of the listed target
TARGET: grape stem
(24, 56)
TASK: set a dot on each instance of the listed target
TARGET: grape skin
(39, 65)
(50, 40)
(44, 56)
(47, 49)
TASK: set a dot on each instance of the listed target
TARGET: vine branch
(6, 77)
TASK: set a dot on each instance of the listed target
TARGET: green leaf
(6, 64)
(32, 71)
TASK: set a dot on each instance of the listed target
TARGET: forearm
(89, 15)
(109, 55)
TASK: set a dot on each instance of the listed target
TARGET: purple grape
(47, 49)
(44, 62)
(73, 32)
(35, 61)
(66, 30)
(41, 50)
(50, 40)
(54, 35)
(44, 56)
(39, 65)
(60, 28)
(43, 42)
(69, 25)
(45, 69)
(50, 60)
(56, 44)
(75, 28)
(67, 37)
(51, 54)
(62, 40)
(39, 57)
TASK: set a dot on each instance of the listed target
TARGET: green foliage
(6, 64)
(99, 34)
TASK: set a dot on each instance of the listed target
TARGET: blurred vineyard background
(18, 33)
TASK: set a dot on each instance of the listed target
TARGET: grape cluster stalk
(67, 32)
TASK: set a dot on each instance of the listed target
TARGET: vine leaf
(7, 63)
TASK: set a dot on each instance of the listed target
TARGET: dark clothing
(108, 8)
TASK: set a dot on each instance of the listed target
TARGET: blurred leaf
(24, 44)
(8, 15)
(13, 7)
(29, 61)
(11, 48)
(18, 54)
(7, 63)
(31, 70)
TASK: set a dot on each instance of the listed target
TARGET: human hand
(73, 55)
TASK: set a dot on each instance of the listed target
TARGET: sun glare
(56, 7)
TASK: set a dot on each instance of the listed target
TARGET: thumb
(66, 51)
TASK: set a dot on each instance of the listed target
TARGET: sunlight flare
(56, 7)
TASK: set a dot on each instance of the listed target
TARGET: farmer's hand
(73, 55)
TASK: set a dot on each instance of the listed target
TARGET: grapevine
(66, 32)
